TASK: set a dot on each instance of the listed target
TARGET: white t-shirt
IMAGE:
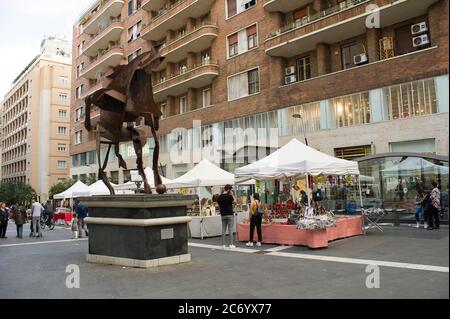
(36, 209)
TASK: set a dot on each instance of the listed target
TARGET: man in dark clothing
(226, 201)
(82, 213)
(4, 217)
(49, 211)
(304, 198)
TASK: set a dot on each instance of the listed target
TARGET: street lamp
(299, 116)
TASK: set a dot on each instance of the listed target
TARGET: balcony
(284, 5)
(102, 17)
(174, 17)
(177, 84)
(303, 36)
(195, 41)
(101, 40)
(105, 60)
(153, 5)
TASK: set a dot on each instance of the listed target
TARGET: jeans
(81, 225)
(256, 221)
(36, 226)
(419, 212)
(19, 230)
(227, 220)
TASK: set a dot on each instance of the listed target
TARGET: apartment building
(363, 76)
(35, 120)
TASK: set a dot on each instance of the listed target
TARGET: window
(134, 32)
(301, 15)
(252, 37)
(83, 159)
(114, 177)
(350, 153)
(253, 82)
(133, 6)
(63, 96)
(62, 113)
(64, 79)
(61, 164)
(183, 108)
(80, 48)
(78, 137)
(134, 55)
(62, 147)
(304, 68)
(351, 110)
(237, 6)
(348, 51)
(62, 130)
(411, 99)
(80, 90)
(206, 97)
(233, 45)
(243, 84)
(182, 66)
(79, 113)
(91, 157)
(427, 146)
(163, 110)
(242, 41)
(80, 69)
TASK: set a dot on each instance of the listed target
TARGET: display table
(211, 226)
(290, 235)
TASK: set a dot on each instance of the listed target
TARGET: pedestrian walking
(82, 213)
(49, 212)
(433, 207)
(4, 217)
(74, 226)
(419, 207)
(36, 212)
(20, 217)
(226, 201)
(256, 214)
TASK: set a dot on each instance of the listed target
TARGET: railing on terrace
(184, 35)
(182, 71)
(165, 10)
(103, 52)
(312, 18)
(92, 38)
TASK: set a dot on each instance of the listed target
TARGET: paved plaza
(413, 264)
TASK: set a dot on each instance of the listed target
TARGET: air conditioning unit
(360, 58)
(290, 79)
(421, 40)
(419, 28)
(289, 70)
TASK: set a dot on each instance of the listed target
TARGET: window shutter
(232, 39)
(231, 5)
(251, 30)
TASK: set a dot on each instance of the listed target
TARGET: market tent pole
(362, 206)
(307, 188)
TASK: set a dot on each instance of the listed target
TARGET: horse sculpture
(126, 96)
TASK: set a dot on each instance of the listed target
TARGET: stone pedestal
(138, 230)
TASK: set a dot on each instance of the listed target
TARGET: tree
(12, 193)
(91, 179)
(60, 187)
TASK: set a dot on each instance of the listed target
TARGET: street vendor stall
(206, 220)
(302, 222)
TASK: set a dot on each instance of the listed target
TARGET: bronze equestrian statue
(127, 95)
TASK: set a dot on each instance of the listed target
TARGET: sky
(23, 25)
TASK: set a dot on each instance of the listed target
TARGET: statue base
(138, 230)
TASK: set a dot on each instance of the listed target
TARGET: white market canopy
(96, 189)
(414, 165)
(296, 158)
(204, 173)
(149, 174)
(78, 187)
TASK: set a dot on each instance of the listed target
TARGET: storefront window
(351, 110)
(392, 182)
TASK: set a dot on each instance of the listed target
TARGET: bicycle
(46, 221)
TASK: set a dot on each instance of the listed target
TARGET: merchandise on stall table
(373, 211)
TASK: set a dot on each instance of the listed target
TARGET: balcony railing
(183, 71)
(93, 37)
(315, 17)
(182, 36)
(164, 11)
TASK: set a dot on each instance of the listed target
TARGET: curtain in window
(231, 5)
(242, 41)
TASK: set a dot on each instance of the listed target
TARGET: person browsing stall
(226, 201)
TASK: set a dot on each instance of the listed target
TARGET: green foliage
(91, 179)
(12, 193)
(60, 187)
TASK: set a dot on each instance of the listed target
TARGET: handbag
(259, 211)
